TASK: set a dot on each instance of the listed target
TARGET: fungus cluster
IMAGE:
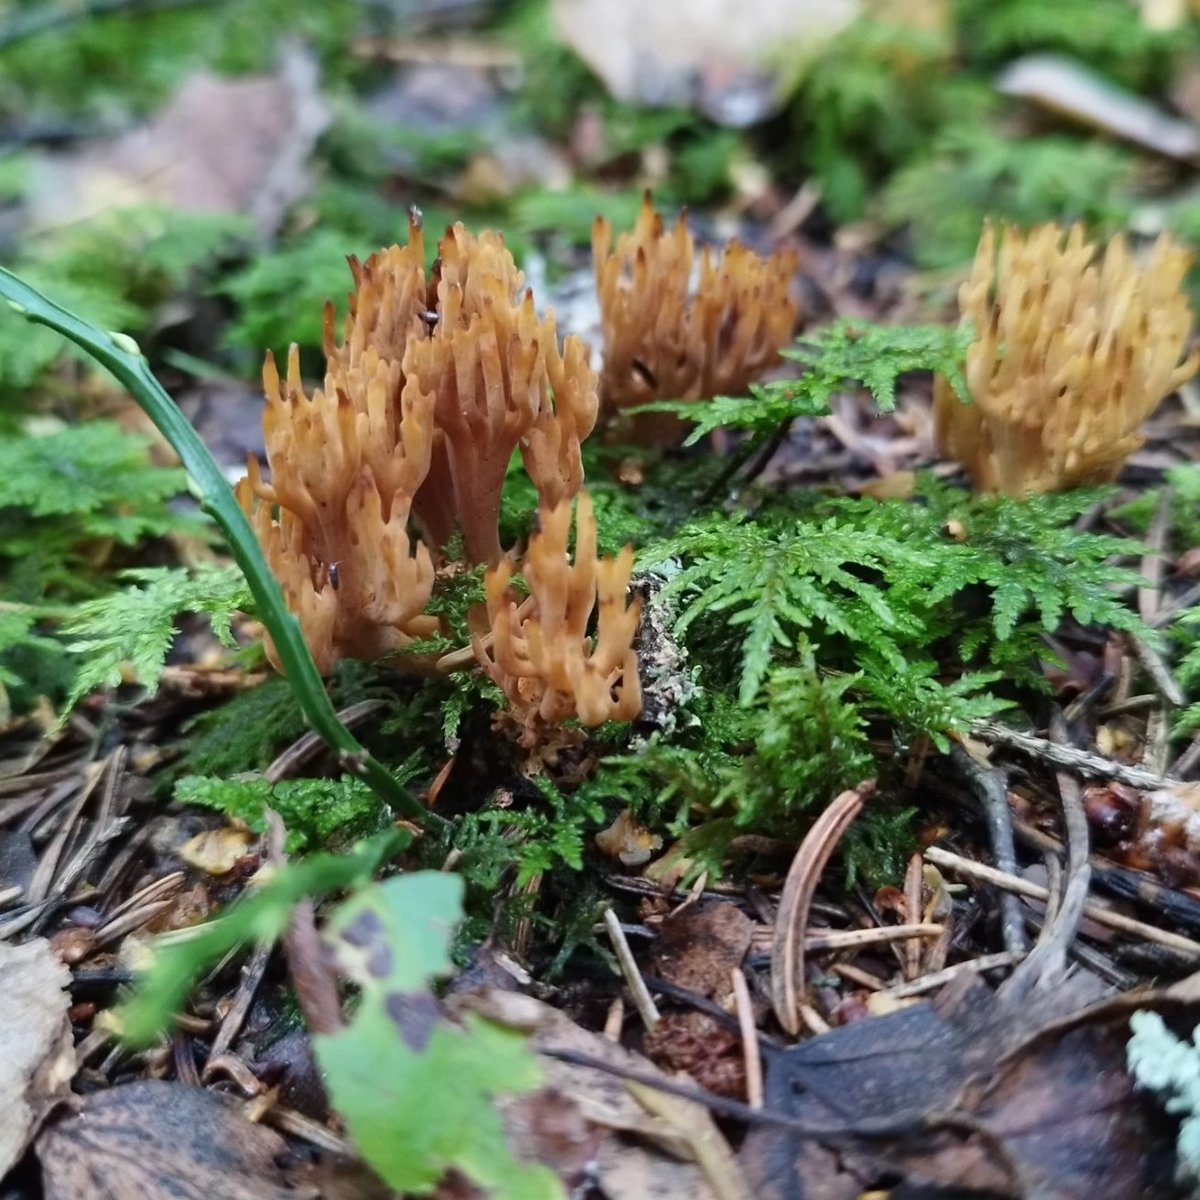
(437, 380)
(1070, 356)
(540, 656)
(669, 336)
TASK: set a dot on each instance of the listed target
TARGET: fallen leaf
(156, 1140)
(1070, 89)
(216, 851)
(1016, 1093)
(707, 54)
(699, 946)
(37, 1058)
(220, 146)
(637, 1155)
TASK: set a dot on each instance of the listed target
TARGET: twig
(973, 966)
(1155, 666)
(693, 1123)
(1150, 596)
(1035, 891)
(252, 976)
(991, 786)
(309, 744)
(787, 947)
(1124, 882)
(749, 1030)
(1049, 959)
(914, 880)
(638, 990)
(844, 1132)
(818, 941)
(1092, 766)
(1176, 607)
(742, 456)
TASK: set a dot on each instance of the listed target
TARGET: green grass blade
(120, 355)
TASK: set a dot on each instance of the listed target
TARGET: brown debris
(1070, 357)
(541, 656)
(662, 341)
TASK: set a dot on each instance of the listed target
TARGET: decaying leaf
(37, 1059)
(1016, 1093)
(699, 946)
(216, 851)
(157, 1140)
(715, 54)
(220, 146)
(638, 1152)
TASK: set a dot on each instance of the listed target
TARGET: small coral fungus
(540, 654)
(664, 339)
(432, 388)
(501, 384)
(1070, 356)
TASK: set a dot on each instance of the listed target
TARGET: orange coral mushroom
(1070, 357)
(501, 383)
(338, 542)
(431, 388)
(541, 655)
(662, 341)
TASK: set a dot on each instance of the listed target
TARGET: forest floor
(903, 846)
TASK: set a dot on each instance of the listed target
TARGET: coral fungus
(430, 391)
(332, 522)
(501, 384)
(665, 341)
(540, 655)
(1070, 356)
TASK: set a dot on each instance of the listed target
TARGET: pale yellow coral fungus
(541, 655)
(664, 339)
(1070, 356)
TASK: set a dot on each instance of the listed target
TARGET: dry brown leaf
(637, 1155)
(220, 146)
(156, 1140)
(714, 54)
(37, 1059)
(699, 946)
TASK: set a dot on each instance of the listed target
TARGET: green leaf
(847, 356)
(415, 1090)
(134, 628)
(262, 916)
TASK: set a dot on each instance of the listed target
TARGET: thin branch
(1094, 766)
